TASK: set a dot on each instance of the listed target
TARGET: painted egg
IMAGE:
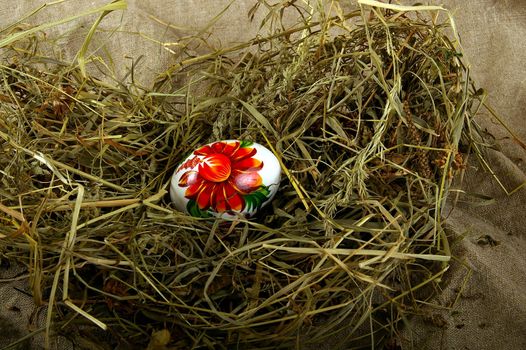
(226, 179)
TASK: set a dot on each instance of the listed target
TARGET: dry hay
(367, 123)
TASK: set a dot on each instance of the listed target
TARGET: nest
(366, 112)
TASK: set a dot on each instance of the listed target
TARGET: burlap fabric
(484, 299)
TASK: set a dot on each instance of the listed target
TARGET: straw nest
(366, 116)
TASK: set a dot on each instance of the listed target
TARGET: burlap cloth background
(490, 308)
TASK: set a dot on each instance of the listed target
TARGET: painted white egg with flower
(227, 179)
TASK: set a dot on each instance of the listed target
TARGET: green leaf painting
(246, 143)
(195, 211)
(255, 200)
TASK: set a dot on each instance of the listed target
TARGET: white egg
(227, 179)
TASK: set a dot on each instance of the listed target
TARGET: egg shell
(227, 179)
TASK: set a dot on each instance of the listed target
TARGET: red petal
(204, 151)
(226, 198)
(215, 168)
(221, 197)
(203, 198)
(221, 207)
(228, 190)
(218, 147)
(192, 191)
(236, 202)
(188, 178)
(252, 164)
(231, 148)
(246, 182)
(243, 153)
(220, 203)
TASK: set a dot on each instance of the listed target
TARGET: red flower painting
(225, 176)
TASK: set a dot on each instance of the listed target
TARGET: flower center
(216, 167)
